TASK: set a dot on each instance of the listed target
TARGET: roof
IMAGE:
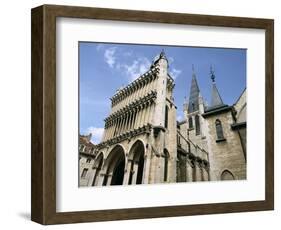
(193, 104)
(86, 140)
(215, 98)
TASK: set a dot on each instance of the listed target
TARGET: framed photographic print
(140, 114)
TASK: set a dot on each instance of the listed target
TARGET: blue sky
(103, 68)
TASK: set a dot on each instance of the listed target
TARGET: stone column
(139, 118)
(108, 132)
(134, 93)
(127, 124)
(123, 120)
(189, 170)
(118, 126)
(151, 83)
(111, 129)
(145, 86)
(198, 174)
(92, 176)
(97, 177)
(205, 174)
(131, 120)
(120, 101)
(127, 172)
(135, 172)
(151, 112)
(140, 90)
(136, 118)
(129, 95)
(109, 178)
(148, 108)
(115, 127)
(100, 179)
(144, 115)
(146, 167)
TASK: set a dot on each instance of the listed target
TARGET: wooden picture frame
(43, 188)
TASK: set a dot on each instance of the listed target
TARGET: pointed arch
(227, 175)
(97, 166)
(114, 166)
(136, 162)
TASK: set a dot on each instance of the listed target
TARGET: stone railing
(138, 104)
(126, 136)
(135, 85)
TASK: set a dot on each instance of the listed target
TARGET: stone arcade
(143, 143)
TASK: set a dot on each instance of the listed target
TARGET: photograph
(151, 114)
(140, 114)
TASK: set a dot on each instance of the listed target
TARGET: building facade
(219, 130)
(143, 143)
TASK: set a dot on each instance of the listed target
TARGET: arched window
(227, 175)
(166, 116)
(88, 160)
(84, 173)
(190, 123)
(166, 158)
(197, 125)
(219, 130)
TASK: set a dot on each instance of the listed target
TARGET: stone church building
(143, 143)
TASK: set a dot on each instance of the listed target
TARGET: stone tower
(226, 155)
(139, 141)
(192, 153)
(193, 110)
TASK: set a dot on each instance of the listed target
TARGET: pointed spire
(194, 94)
(162, 55)
(212, 73)
(216, 99)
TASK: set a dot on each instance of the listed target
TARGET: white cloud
(171, 60)
(128, 53)
(175, 73)
(136, 68)
(110, 57)
(97, 134)
(99, 47)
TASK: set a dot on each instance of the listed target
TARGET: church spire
(193, 104)
(216, 100)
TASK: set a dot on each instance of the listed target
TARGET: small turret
(161, 56)
(216, 100)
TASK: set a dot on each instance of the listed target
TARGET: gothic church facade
(143, 143)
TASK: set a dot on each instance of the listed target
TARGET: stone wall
(226, 154)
